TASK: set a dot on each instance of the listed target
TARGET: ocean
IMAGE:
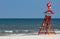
(18, 26)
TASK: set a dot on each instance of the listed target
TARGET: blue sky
(27, 8)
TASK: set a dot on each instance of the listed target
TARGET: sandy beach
(57, 36)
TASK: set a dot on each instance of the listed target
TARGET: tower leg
(47, 26)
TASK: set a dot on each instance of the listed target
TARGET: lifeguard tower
(46, 27)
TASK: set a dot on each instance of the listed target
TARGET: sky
(28, 8)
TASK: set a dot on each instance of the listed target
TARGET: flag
(48, 5)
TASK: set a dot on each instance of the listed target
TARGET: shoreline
(17, 36)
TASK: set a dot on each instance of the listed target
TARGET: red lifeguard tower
(46, 27)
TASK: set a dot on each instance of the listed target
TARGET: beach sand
(57, 36)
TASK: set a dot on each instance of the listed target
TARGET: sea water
(18, 26)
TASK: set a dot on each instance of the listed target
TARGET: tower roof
(49, 12)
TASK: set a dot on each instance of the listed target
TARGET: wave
(23, 32)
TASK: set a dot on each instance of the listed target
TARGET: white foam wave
(57, 31)
(10, 31)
